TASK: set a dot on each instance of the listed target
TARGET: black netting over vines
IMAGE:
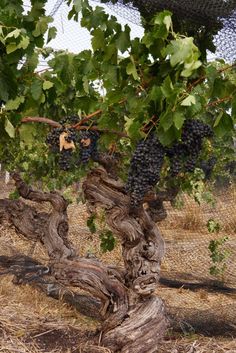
(209, 21)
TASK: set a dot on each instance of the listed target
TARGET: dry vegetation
(33, 323)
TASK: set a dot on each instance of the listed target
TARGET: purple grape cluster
(145, 168)
(184, 155)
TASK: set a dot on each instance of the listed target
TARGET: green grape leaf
(98, 40)
(167, 87)
(36, 89)
(14, 104)
(47, 85)
(10, 48)
(28, 133)
(178, 119)
(9, 128)
(52, 32)
(166, 120)
(123, 40)
(131, 70)
(188, 101)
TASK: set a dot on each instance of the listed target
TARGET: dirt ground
(201, 321)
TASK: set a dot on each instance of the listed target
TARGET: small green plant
(213, 226)
(96, 223)
(108, 241)
(14, 195)
(218, 255)
(91, 223)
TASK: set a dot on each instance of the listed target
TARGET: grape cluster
(85, 139)
(148, 157)
(88, 146)
(184, 155)
(53, 140)
(145, 168)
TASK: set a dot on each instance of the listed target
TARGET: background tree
(153, 104)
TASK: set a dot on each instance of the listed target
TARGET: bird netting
(212, 19)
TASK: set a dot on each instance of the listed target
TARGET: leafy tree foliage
(135, 85)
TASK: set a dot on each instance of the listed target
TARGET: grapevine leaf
(41, 26)
(14, 104)
(178, 120)
(24, 42)
(224, 125)
(218, 118)
(188, 101)
(123, 40)
(182, 50)
(168, 22)
(9, 128)
(27, 133)
(36, 89)
(16, 33)
(11, 48)
(98, 40)
(47, 85)
(52, 32)
(166, 120)
(131, 70)
(169, 136)
(167, 87)
(77, 5)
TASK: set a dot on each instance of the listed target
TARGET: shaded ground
(33, 323)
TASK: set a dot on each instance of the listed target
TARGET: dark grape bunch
(53, 140)
(88, 146)
(148, 157)
(184, 155)
(86, 140)
(145, 168)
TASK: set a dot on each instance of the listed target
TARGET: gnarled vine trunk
(132, 317)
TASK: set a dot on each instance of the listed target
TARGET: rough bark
(51, 229)
(143, 249)
(133, 318)
(30, 271)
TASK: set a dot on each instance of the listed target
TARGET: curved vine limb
(52, 229)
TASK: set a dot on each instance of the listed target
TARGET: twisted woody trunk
(132, 317)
